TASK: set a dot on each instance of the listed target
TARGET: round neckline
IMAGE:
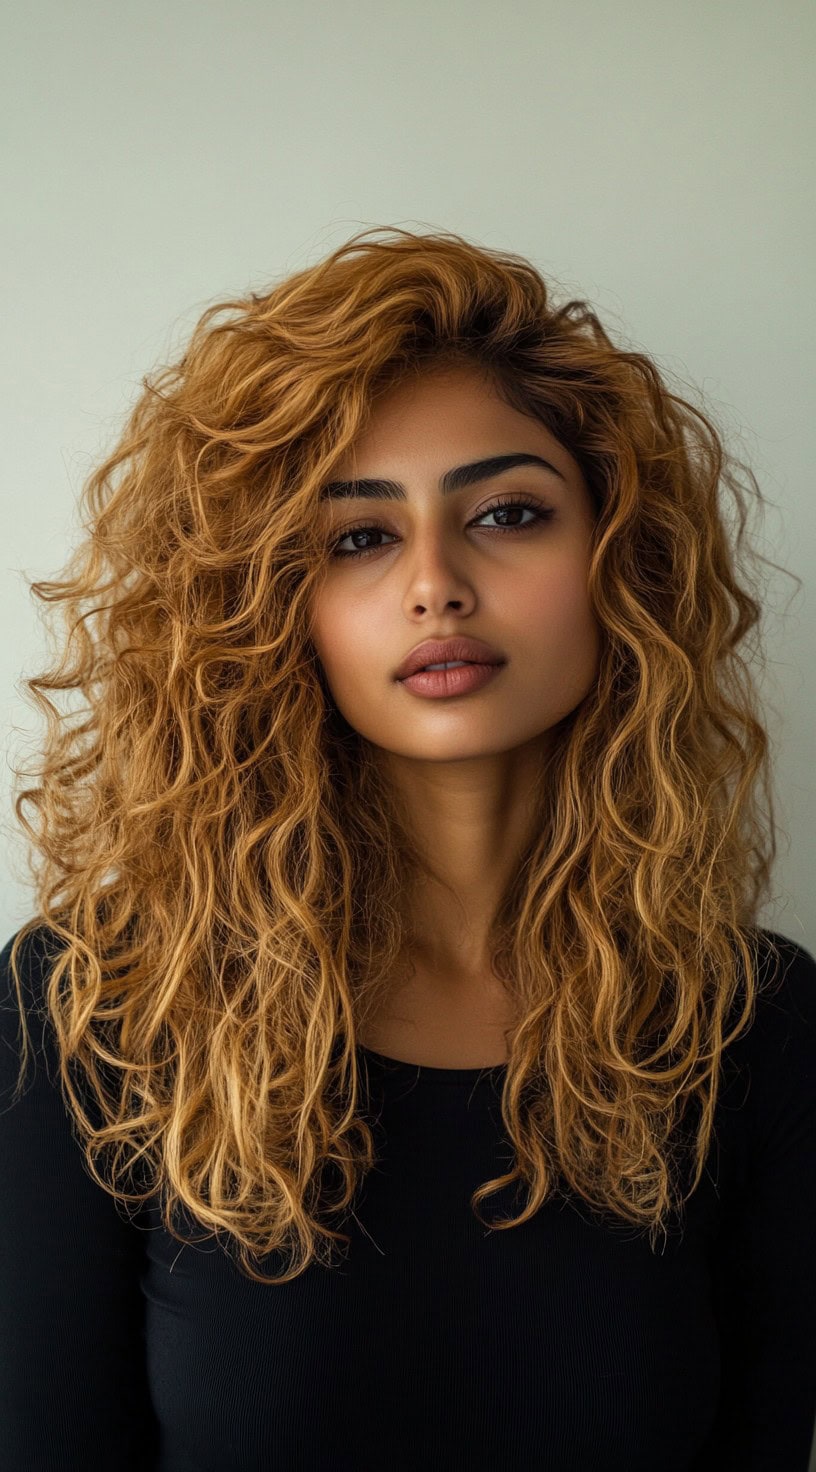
(400, 1068)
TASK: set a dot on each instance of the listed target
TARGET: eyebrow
(452, 480)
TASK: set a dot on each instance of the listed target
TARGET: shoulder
(786, 977)
(39, 948)
(37, 952)
(777, 1052)
(35, 957)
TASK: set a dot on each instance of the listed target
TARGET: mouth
(453, 664)
(451, 667)
(461, 679)
(454, 652)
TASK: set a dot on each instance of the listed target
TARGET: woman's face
(441, 565)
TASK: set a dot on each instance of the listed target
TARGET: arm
(73, 1385)
(765, 1268)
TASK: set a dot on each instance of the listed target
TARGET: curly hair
(222, 865)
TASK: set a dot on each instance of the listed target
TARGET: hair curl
(222, 865)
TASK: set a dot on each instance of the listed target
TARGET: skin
(465, 766)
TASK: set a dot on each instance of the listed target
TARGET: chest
(443, 1025)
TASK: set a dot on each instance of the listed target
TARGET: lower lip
(461, 681)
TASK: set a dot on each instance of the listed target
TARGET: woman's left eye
(541, 513)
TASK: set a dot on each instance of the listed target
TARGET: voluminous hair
(220, 861)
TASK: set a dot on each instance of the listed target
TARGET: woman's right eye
(355, 531)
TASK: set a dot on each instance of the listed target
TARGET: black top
(565, 1343)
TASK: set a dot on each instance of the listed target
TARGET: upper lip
(440, 651)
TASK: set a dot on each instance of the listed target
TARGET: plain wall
(653, 158)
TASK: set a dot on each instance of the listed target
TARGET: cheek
(551, 604)
(557, 624)
(340, 627)
(566, 645)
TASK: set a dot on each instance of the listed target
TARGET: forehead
(446, 418)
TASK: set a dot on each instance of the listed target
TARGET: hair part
(219, 861)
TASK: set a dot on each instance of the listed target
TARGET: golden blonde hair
(220, 863)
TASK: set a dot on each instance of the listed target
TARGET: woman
(431, 1001)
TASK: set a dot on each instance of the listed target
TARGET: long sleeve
(764, 1284)
(73, 1386)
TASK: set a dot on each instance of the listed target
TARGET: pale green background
(654, 158)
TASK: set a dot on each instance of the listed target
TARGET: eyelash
(543, 513)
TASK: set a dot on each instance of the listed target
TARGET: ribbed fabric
(435, 1345)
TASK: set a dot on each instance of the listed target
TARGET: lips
(444, 651)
